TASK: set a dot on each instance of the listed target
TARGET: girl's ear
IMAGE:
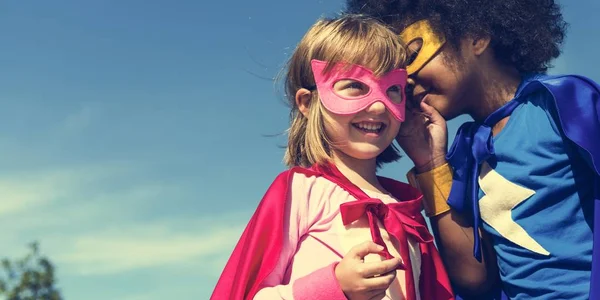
(303, 97)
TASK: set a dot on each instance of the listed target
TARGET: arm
(454, 238)
(454, 234)
(320, 284)
(424, 138)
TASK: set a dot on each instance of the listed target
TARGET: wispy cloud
(32, 189)
(146, 245)
(90, 229)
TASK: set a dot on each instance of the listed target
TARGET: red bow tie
(401, 220)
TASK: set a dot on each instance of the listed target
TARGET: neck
(361, 172)
(500, 85)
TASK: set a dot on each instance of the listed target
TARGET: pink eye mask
(350, 105)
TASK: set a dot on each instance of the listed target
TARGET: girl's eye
(355, 86)
(350, 88)
(355, 89)
(395, 93)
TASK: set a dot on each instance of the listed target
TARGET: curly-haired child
(523, 211)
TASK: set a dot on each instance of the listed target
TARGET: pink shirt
(317, 240)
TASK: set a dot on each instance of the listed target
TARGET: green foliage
(29, 278)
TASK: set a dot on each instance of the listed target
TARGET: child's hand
(424, 137)
(360, 280)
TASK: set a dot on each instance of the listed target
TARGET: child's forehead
(376, 66)
(346, 70)
(348, 64)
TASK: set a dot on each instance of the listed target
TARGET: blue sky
(134, 140)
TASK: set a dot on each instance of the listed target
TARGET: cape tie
(399, 221)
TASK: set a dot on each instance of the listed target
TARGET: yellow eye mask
(432, 43)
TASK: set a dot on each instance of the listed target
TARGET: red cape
(257, 252)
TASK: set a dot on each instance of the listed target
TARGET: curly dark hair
(526, 34)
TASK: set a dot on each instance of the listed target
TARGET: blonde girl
(329, 227)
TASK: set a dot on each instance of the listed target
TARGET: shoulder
(311, 185)
(566, 93)
(577, 102)
(312, 197)
(294, 174)
(280, 183)
(566, 80)
(280, 188)
(560, 93)
(564, 87)
(303, 185)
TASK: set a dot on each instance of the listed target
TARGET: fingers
(434, 116)
(372, 269)
(382, 282)
(369, 280)
(361, 250)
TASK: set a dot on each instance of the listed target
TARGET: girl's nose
(376, 108)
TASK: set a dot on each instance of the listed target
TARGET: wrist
(340, 284)
(322, 283)
(435, 185)
(436, 162)
(337, 276)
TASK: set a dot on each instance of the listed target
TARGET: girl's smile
(370, 128)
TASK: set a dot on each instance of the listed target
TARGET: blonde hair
(353, 39)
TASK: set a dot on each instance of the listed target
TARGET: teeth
(369, 126)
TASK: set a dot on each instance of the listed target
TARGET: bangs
(348, 42)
